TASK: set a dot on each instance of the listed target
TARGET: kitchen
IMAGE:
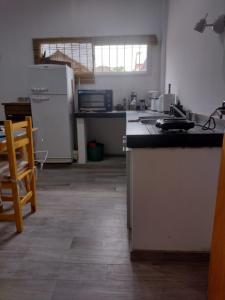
(190, 61)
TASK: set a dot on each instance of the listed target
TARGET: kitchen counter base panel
(172, 198)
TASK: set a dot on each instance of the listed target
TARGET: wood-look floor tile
(97, 290)
(26, 289)
(76, 246)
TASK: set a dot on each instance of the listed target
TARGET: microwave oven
(95, 100)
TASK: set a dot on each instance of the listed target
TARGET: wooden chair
(216, 285)
(16, 173)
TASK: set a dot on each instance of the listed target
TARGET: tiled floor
(76, 246)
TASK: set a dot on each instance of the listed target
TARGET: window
(77, 53)
(100, 55)
(121, 58)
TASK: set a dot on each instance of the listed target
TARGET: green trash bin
(95, 151)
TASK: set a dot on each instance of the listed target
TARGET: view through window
(121, 58)
(79, 55)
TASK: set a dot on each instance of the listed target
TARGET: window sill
(122, 74)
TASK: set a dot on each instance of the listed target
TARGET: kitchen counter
(141, 135)
(108, 114)
(172, 180)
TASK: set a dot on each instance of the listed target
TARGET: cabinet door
(129, 186)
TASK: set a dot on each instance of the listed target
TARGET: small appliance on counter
(174, 124)
(95, 100)
(165, 100)
(153, 100)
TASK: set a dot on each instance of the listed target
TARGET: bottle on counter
(133, 101)
(125, 104)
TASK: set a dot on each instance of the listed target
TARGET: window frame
(149, 40)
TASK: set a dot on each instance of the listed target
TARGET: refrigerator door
(48, 79)
(51, 115)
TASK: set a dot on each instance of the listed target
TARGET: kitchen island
(172, 185)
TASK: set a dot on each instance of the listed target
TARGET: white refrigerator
(51, 90)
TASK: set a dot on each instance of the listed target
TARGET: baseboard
(167, 256)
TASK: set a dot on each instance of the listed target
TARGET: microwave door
(95, 100)
(92, 102)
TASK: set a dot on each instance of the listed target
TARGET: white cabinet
(172, 194)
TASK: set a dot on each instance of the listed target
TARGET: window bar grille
(93, 57)
(132, 54)
(117, 58)
(71, 50)
(87, 63)
(139, 68)
(109, 60)
(124, 57)
(102, 57)
(79, 52)
(64, 48)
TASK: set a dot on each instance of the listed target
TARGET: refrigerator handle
(39, 90)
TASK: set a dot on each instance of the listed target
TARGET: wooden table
(17, 111)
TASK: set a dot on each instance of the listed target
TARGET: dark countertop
(108, 114)
(149, 136)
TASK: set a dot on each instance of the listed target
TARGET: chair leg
(27, 184)
(1, 203)
(17, 208)
(33, 189)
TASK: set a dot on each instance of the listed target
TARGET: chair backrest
(19, 136)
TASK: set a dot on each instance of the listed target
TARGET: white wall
(195, 62)
(20, 21)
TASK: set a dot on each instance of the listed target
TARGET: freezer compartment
(48, 79)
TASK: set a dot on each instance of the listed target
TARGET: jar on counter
(142, 104)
